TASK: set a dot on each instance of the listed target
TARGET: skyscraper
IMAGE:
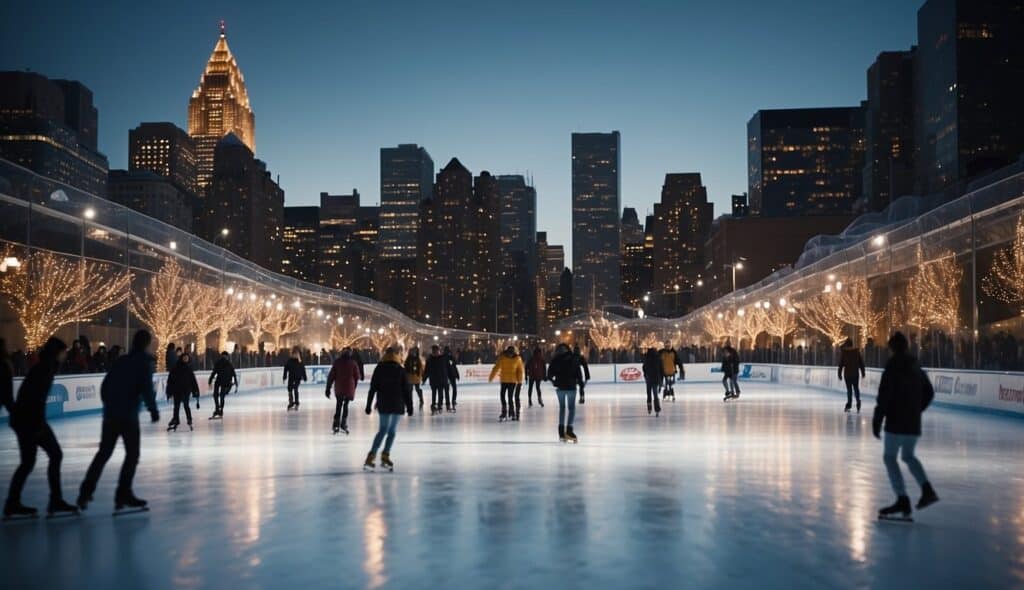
(152, 194)
(889, 129)
(300, 243)
(550, 264)
(517, 202)
(969, 88)
(740, 208)
(406, 180)
(220, 105)
(166, 150)
(682, 224)
(805, 161)
(348, 239)
(49, 127)
(595, 219)
(633, 284)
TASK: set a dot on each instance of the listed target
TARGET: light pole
(734, 266)
(223, 255)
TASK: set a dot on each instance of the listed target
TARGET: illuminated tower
(220, 105)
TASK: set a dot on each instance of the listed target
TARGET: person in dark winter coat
(344, 376)
(653, 377)
(390, 385)
(414, 370)
(28, 420)
(359, 361)
(170, 357)
(851, 369)
(181, 385)
(129, 382)
(222, 378)
(565, 373)
(730, 371)
(294, 374)
(453, 376)
(99, 359)
(435, 372)
(536, 371)
(582, 360)
(904, 392)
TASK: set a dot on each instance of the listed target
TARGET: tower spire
(223, 27)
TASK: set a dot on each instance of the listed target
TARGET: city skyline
(536, 105)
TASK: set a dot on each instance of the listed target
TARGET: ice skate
(128, 504)
(190, 429)
(369, 465)
(83, 500)
(344, 428)
(928, 496)
(385, 462)
(561, 433)
(570, 436)
(60, 509)
(649, 409)
(172, 426)
(502, 417)
(900, 511)
(540, 403)
(335, 428)
(847, 408)
(858, 406)
(18, 511)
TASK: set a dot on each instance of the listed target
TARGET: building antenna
(223, 27)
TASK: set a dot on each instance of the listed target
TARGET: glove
(368, 410)
(154, 416)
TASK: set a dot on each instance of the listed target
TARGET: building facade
(517, 202)
(406, 180)
(682, 225)
(300, 243)
(152, 195)
(166, 150)
(596, 203)
(635, 281)
(889, 130)
(805, 161)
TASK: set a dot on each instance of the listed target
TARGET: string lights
(821, 313)
(933, 293)
(1005, 280)
(165, 306)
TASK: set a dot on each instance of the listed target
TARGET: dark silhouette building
(805, 161)
(596, 203)
(348, 243)
(682, 224)
(50, 127)
(968, 88)
(740, 207)
(166, 150)
(300, 243)
(517, 202)
(635, 281)
(550, 264)
(152, 195)
(889, 129)
(406, 180)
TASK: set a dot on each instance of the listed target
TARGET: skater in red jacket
(344, 376)
(536, 371)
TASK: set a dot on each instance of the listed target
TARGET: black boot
(83, 500)
(858, 405)
(901, 509)
(569, 434)
(561, 433)
(59, 505)
(128, 500)
(847, 408)
(928, 496)
(16, 508)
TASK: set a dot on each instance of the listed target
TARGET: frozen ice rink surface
(778, 490)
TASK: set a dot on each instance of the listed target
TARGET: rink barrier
(987, 391)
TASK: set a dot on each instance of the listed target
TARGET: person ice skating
(730, 371)
(222, 378)
(654, 368)
(390, 385)
(435, 371)
(129, 382)
(294, 374)
(453, 377)
(904, 392)
(170, 356)
(344, 375)
(584, 367)
(28, 420)
(536, 372)
(414, 370)
(182, 384)
(509, 368)
(851, 369)
(669, 363)
(565, 373)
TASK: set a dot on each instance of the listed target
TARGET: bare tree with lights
(47, 292)
(165, 305)
(821, 313)
(281, 322)
(934, 293)
(717, 326)
(855, 307)
(780, 321)
(343, 336)
(1005, 280)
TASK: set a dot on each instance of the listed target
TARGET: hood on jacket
(510, 352)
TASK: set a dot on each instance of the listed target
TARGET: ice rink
(778, 490)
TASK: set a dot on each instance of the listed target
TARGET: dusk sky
(499, 85)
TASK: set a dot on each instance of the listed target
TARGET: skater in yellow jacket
(510, 367)
(669, 362)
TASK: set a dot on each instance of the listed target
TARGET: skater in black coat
(653, 377)
(435, 372)
(453, 376)
(390, 385)
(181, 385)
(222, 378)
(294, 374)
(730, 371)
(28, 420)
(565, 373)
(904, 392)
(584, 367)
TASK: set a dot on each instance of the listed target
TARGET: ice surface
(778, 490)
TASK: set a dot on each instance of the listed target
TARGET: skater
(510, 367)
(730, 371)
(390, 384)
(129, 381)
(414, 370)
(294, 374)
(436, 373)
(669, 363)
(170, 357)
(653, 377)
(222, 377)
(453, 377)
(344, 376)
(536, 372)
(851, 370)
(565, 373)
(582, 361)
(182, 384)
(904, 392)
(28, 420)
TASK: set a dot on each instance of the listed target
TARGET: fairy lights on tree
(607, 335)
(343, 336)
(821, 313)
(780, 320)
(165, 306)
(933, 294)
(47, 292)
(1005, 280)
(717, 325)
(281, 322)
(854, 307)
(380, 339)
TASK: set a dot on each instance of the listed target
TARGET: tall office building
(517, 203)
(220, 105)
(49, 127)
(682, 224)
(889, 129)
(805, 161)
(550, 264)
(406, 180)
(633, 284)
(300, 243)
(153, 195)
(968, 88)
(348, 238)
(166, 150)
(595, 219)
(243, 198)
(740, 208)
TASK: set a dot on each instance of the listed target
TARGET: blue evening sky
(500, 85)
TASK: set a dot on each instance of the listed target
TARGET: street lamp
(734, 266)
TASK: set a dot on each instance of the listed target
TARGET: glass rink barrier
(951, 279)
(92, 272)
